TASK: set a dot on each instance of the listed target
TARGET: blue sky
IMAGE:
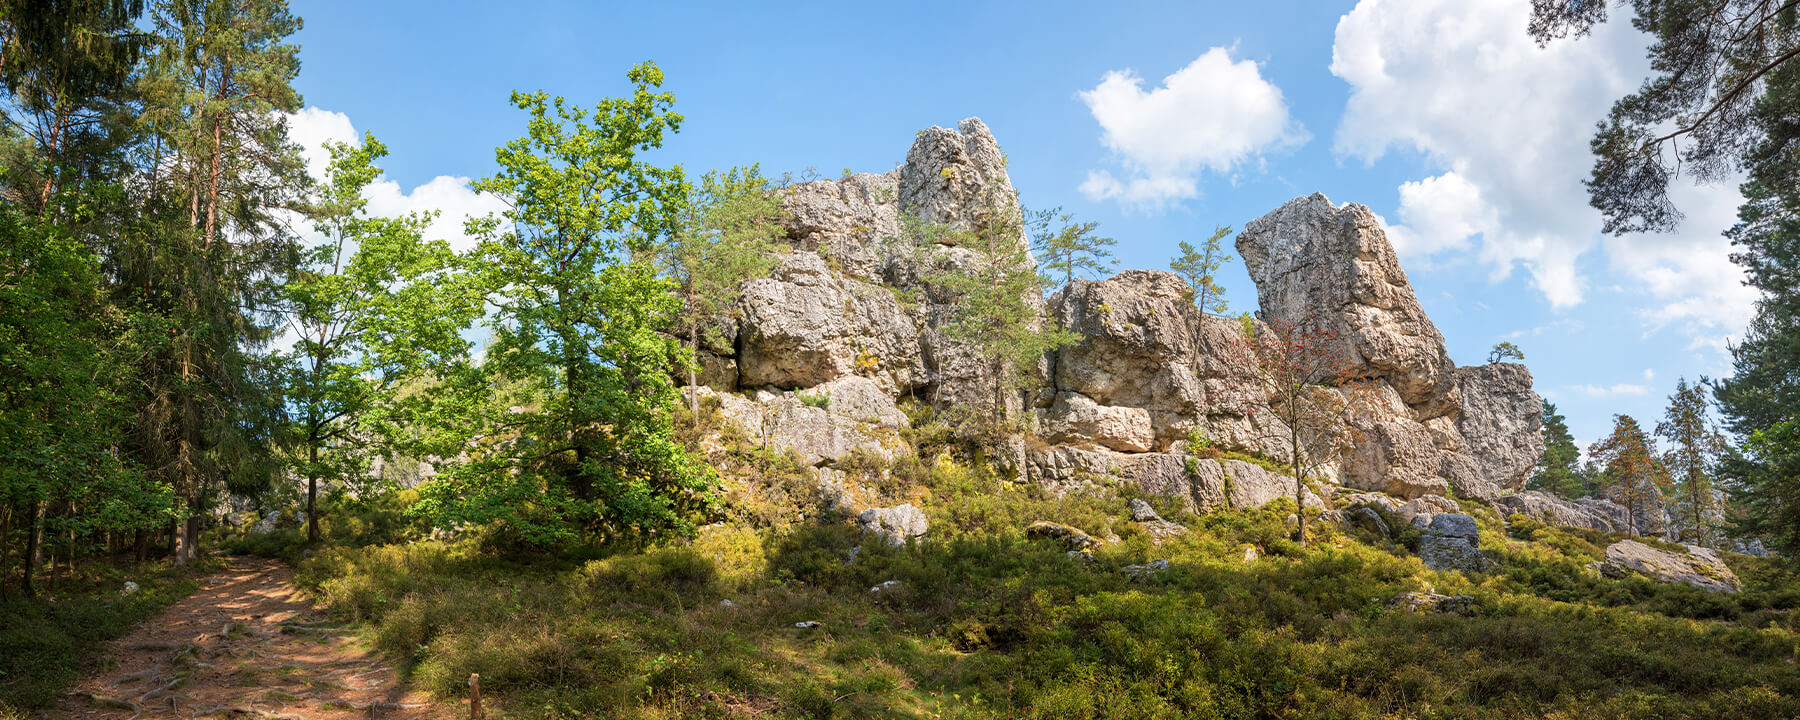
(1158, 120)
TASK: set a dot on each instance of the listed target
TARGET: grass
(46, 643)
(987, 623)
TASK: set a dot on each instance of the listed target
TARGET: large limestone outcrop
(821, 351)
(1330, 269)
(1424, 425)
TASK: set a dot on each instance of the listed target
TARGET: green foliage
(1505, 351)
(815, 400)
(729, 231)
(1633, 473)
(987, 622)
(375, 306)
(991, 304)
(1199, 268)
(1557, 472)
(48, 643)
(579, 306)
(1067, 248)
(1695, 445)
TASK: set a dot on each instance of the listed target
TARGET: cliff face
(847, 316)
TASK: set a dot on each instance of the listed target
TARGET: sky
(1159, 121)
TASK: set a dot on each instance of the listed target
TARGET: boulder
(1331, 269)
(1499, 419)
(1068, 535)
(1398, 458)
(805, 423)
(1367, 519)
(895, 525)
(1422, 602)
(1698, 566)
(1146, 570)
(1452, 542)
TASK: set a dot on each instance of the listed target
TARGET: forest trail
(248, 644)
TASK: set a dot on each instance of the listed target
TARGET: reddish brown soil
(247, 645)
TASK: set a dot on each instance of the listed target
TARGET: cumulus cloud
(1461, 82)
(1215, 114)
(446, 195)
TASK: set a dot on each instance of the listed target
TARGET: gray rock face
(817, 434)
(808, 325)
(895, 525)
(1500, 421)
(1076, 418)
(1552, 510)
(1699, 567)
(1452, 542)
(1331, 268)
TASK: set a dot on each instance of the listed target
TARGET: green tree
(1695, 445)
(991, 306)
(69, 69)
(729, 232)
(1632, 472)
(373, 306)
(217, 168)
(1699, 113)
(1558, 471)
(1199, 266)
(1067, 248)
(579, 304)
(1505, 351)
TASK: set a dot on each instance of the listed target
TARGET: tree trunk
(312, 492)
(34, 540)
(140, 544)
(580, 484)
(1299, 486)
(693, 378)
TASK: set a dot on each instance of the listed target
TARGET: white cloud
(1215, 114)
(1649, 374)
(1613, 390)
(1461, 82)
(449, 196)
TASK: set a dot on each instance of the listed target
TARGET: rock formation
(824, 349)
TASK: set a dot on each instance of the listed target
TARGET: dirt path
(247, 645)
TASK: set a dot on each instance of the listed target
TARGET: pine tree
(1695, 447)
(1198, 267)
(1557, 470)
(729, 232)
(217, 167)
(992, 305)
(1067, 248)
(1633, 473)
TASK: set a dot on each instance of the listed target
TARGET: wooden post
(474, 696)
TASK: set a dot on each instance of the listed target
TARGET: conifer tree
(1199, 266)
(1695, 445)
(1067, 248)
(729, 232)
(1632, 472)
(1558, 471)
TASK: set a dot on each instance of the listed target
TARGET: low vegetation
(988, 622)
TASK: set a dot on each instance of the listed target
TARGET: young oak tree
(1311, 390)
(1695, 446)
(1070, 248)
(1198, 267)
(729, 232)
(1632, 474)
(579, 306)
(374, 306)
